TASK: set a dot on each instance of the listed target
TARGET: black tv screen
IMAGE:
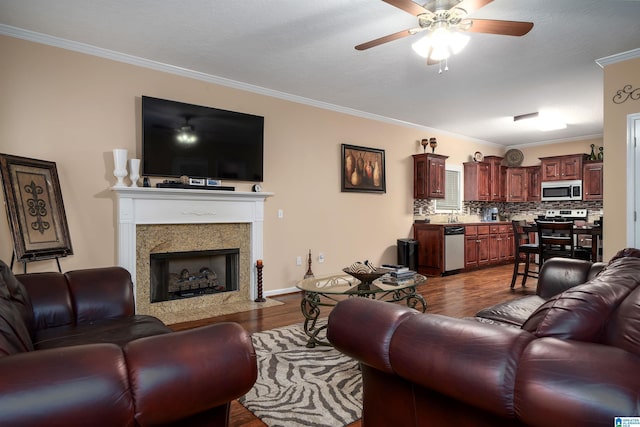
(181, 139)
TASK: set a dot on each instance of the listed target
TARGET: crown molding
(618, 57)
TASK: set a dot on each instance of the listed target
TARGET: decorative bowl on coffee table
(366, 279)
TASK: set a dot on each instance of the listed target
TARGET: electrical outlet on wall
(321, 257)
(298, 260)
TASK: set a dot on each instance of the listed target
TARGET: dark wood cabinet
(534, 186)
(476, 246)
(497, 178)
(429, 176)
(516, 185)
(592, 182)
(485, 181)
(476, 181)
(562, 167)
(430, 248)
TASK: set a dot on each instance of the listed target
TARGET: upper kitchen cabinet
(534, 190)
(476, 181)
(592, 182)
(562, 167)
(485, 181)
(497, 178)
(428, 176)
(523, 184)
(516, 184)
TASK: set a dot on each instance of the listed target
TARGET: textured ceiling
(306, 49)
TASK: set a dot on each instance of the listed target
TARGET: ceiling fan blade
(385, 39)
(494, 26)
(408, 6)
(472, 5)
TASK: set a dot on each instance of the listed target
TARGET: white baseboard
(277, 292)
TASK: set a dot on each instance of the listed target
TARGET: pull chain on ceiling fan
(445, 22)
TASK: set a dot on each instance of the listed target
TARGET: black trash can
(408, 253)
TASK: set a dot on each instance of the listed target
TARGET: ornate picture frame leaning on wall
(35, 210)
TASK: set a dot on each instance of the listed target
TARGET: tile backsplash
(470, 212)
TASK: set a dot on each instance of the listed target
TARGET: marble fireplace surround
(154, 220)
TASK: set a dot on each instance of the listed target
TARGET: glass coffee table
(329, 290)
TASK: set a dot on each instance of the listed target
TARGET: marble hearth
(154, 220)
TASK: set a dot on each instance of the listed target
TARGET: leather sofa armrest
(50, 299)
(363, 328)
(559, 274)
(577, 383)
(176, 375)
(75, 386)
(466, 360)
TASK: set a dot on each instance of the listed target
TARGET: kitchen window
(452, 191)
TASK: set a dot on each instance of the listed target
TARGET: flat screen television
(181, 139)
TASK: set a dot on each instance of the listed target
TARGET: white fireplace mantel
(149, 205)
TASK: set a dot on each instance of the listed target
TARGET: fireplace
(178, 275)
(154, 221)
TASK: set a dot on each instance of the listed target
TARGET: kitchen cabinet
(485, 181)
(516, 185)
(488, 244)
(429, 176)
(430, 239)
(476, 246)
(497, 178)
(562, 167)
(592, 182)
(476, 181)
(523, 184)
(534, 187)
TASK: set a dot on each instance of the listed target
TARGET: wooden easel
(26, 261)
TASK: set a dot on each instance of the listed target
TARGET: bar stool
(524, 250)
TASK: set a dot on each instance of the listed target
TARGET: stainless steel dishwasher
(453, 247)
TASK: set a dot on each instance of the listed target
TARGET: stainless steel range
(566, 215)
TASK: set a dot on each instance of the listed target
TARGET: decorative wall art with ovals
(513, 158)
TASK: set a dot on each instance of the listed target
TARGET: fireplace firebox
(179, 275)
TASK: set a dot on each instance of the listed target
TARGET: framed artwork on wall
(363, 169)
(34, 208)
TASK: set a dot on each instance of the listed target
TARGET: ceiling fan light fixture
(423, 46)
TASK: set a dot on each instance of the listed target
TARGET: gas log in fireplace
(178, 275)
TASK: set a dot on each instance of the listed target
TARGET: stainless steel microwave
(562, 190)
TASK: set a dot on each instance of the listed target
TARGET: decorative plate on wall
(513, 158)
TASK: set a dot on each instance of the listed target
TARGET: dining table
(593, 230)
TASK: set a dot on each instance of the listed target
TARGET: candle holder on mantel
(259, 266)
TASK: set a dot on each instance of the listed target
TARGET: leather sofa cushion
(582, 312)
(513, 313)
(115, 331)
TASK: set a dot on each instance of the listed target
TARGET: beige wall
(616, 175)
(73, 109)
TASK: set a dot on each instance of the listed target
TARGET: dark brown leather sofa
(573, 361)
(73, 353)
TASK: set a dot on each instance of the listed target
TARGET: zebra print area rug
(300, 386)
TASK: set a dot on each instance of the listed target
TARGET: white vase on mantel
(120, 165)
(134, 171)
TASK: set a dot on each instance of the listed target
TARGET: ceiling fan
(445, 22)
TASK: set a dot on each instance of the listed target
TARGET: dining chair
(555, 239)
(525, 249)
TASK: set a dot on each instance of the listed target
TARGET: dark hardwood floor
(458, 295)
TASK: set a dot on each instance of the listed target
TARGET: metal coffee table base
(312, 301)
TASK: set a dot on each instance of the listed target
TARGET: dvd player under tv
(193, 187)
